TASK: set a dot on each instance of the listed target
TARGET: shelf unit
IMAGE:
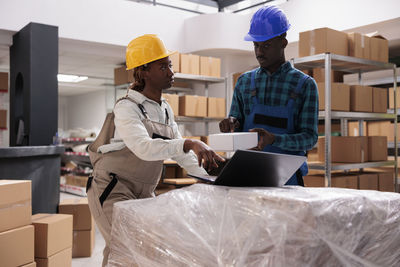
(191, 79)
(350, 65)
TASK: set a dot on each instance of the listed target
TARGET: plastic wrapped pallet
(205, 225)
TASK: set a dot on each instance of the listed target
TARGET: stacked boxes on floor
(83, 226)
(16, 231)
(53, 239)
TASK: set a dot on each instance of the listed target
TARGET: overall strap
(296, 93)
(166, 117)
(141, 107)
(253, 89)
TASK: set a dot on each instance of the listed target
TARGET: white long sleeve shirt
(130, 128)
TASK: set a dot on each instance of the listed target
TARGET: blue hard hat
(268, 22)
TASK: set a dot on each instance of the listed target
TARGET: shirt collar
(284, 68)
(140, 98)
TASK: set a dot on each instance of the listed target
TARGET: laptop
(249, 168)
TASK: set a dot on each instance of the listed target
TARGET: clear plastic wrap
(206, 225)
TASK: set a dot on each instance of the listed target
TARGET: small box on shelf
(345, 149)
(216, 107)
(122, 76)
(379, 47)
(359, 45)
(361, 98)
(173, 101)
(193, 106)
(190, 64)
(3, 82)
(377, 148)
(340, 96)
(176, 62)
(323, 40)
(3, 119)
(379, 100)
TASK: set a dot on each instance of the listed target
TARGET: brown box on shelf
(391, 98)
(216, 107)
(348, 149)
(323, 40)
(122, 76)
(386, 181)
(319, 75)
(176, 62)
(62, 258)
(193, 106)
(382, 128)
(3, 82)
(173, 101)
(360, 98)
(353, 128)
(15, 204)
(379, 50)
(379, 100)
(210, 66)
(53, 233)
(76, 180)
(3, 119)
(83, 243)
(377, 148)
(337, 180)
(340, 96)
(79, 208)
(190, 64)
(17, 246)
(359, 45)
(215, 67)
(335, 127)
(367, 181)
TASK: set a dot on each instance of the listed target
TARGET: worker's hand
(204, 153)
(264, 138)
(229, 125)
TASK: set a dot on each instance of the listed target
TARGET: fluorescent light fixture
(66, 78)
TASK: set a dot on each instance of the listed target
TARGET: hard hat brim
(261, 38)
(160, 57)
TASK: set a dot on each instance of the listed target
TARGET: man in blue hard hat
(276, 100)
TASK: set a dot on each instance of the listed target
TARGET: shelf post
(396, 184)
(328, 165)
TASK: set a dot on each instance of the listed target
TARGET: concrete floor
(97, 256)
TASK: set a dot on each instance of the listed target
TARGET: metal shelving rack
(192, 79)
(351, 65)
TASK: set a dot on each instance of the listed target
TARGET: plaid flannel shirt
(274, 90)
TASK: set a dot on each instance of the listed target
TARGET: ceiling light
(70, 78)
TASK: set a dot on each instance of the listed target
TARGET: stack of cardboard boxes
(83, 226)
(16, 231)
(53, 239)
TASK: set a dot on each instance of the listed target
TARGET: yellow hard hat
(145, 49)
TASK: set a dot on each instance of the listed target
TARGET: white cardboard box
(232, 141)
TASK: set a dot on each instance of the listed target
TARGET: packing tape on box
(22, 203)
(312, 43)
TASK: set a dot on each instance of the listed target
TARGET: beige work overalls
(121, 175)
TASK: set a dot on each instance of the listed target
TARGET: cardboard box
(3, 119)
(122, 76)
(359, 45)
(83, 243)
(367, 181)
(176, 62)
(379, 48)
(385, 181)
(233, 141)
(340, 96)
(193, 106)
(379, 100)
(17, 246)
(190, 64)
(215, 67)
(323, 40)
(361, 98)
(79, 208)
(32, 264)
(173, 101)
(349, 149)
(76, 180)
(337, 180)
(3, 82)
(335, 127)
(377, 148)
(235, 78)
(391, 98)
(210, 66)
(53, 233)
(216, 107)
(353, 128)
(15, 204)
(382, 128)
(319, 75)
(60, 259)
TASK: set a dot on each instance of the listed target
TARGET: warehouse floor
(97, 256)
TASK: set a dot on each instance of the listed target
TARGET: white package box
(232, 141)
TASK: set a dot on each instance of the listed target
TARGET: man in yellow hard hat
(128, 154)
